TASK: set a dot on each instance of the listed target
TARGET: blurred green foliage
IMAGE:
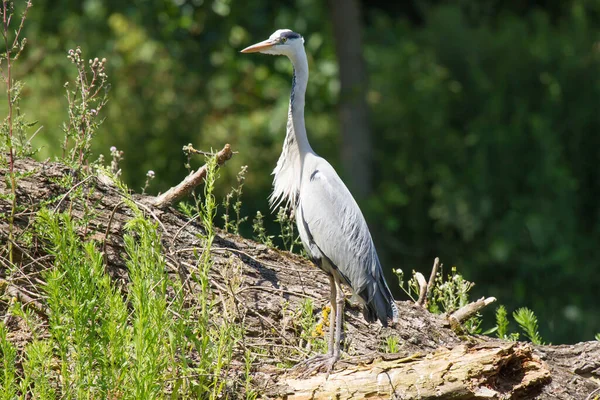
(486, 120)
(488, 136)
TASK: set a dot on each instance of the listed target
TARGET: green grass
(149, 339)
(391, 344)
(83, 311)
(310, 327)
(151, 321)
(8, 374)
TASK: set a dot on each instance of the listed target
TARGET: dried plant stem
(11, 156)
(9, 47)
(8, 78)
(83, 124)
(84, 105)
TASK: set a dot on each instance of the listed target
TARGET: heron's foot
(316, 364)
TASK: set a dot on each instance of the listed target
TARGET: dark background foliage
(483, 122)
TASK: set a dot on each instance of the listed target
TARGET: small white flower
(150, 174)
(113, 149)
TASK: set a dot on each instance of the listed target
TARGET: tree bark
(432, 360)
(357, 147)
(486, 371)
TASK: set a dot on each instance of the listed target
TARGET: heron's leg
(327, 361)
(332, 316)
(339, 319)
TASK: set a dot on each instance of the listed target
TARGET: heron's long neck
(288, 173)
(296, 130)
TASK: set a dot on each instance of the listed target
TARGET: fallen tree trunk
(432, 360)
(486, 371)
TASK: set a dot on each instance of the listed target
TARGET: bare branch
(422, 288)
(431, 283)
(178, 192)
(469, 310)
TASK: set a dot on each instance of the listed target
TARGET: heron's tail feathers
(382, 306)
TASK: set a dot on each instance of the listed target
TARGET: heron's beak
(265, 44)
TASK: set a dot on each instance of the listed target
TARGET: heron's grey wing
(335, 232)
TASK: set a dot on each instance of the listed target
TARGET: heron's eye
(283, 39)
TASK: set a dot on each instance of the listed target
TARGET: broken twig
(178, 192)
(425, 287)
(466, 312)
(431, 283)
(422, 288)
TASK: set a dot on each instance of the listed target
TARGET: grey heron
(331, 226)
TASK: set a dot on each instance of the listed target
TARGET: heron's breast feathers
(288, 172)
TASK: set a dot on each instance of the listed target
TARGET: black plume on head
(290, 35)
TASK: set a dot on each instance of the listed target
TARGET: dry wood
(431, 283)
(479, 372)
(183, 189)
(422, 289)
(426, 287)
(466, 312)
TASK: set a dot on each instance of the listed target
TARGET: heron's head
(281, 42)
